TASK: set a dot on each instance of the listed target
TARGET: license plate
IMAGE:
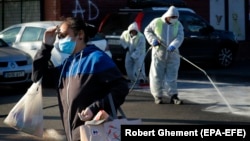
(14, 74)
(114, 42)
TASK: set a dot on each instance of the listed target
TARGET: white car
(28, 37)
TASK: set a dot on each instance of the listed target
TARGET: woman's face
(68, 41)
(65, 31)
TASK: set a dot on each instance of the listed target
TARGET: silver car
(28, 37)
(15, 65)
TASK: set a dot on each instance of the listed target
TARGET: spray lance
(218, 91)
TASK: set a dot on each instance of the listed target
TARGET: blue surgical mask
(67, 45)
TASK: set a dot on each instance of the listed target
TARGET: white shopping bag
(27, 114)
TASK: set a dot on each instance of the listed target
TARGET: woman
(84, 79)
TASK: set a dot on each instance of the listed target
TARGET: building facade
(20, 11)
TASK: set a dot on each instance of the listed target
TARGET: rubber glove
(171, 48)
(156, 42)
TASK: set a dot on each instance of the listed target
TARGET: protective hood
(172, 11)
(133, 26)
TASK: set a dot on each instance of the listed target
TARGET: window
(32, 34)
(9, 36)
(192, 23)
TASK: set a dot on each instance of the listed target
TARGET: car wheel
(225, 57)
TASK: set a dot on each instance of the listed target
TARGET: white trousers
(163, 75)
(135, 67)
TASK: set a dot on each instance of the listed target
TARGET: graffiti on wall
(236, 26)
(231, 14)
(218, 19)
(217, 14)
(93, 10)
(236, 18)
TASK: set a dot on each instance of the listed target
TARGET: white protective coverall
(134, 60)
(164, 65)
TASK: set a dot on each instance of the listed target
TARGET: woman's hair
(77, 24)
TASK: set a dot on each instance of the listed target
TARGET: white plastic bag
(27, 114)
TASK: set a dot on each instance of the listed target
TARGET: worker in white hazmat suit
(166, 35)
(134, 42)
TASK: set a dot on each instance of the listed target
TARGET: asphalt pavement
(140, 104)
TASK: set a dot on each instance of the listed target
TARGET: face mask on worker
(67, 45)
(173, 20)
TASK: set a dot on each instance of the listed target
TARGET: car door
(30, 39)
(197, 46)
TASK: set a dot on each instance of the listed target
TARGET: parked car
(28, 37)
(15, 66)
(202, 44)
